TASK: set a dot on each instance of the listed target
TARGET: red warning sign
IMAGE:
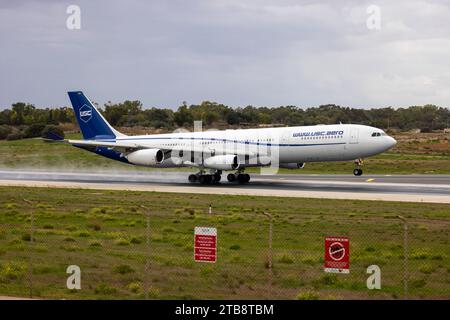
(337, 255)
(205, 244)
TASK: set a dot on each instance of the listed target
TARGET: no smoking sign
(337, 255)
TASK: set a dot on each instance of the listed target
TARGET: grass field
(105, 233)
(414, 154)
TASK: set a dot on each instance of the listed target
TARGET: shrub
(427, 269)
(123, 269)
(153, 293)
(134, 287)
(122, 242)
(285, 258)
(72, 248)
(10, 206)
(103, 288)
(83, 234)
(128, 223)
(26, 237)
(308, 295)
(418, 283)
(95, 226)
(419, 255)
(12, 271)
(4, 131)
(135, 240)
(14, 136)
(327, 280)
(95, 244)
(34, 130)
(235, 247)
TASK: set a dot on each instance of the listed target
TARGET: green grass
(34, 153)
(113, 257)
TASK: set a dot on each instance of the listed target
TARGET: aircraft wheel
(357, 172)
(231, 177)
(241, 178)
(209, 178)
(192, 178)
(246, 178)
(216, 178)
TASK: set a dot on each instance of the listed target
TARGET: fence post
(147, 253)
(405, 257)
(30, 257)
(270, 254)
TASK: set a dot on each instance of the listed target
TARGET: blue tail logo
(85, 113)
(91, 121)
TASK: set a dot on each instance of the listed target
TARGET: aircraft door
(354, 136)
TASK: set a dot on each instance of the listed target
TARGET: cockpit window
(378, 134)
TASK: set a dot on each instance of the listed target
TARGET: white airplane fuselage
(290, 144)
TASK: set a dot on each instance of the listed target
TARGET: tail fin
(91, 122)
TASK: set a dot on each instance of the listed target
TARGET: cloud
(263, 52)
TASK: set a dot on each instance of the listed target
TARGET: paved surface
(411, 188)
(13, 298)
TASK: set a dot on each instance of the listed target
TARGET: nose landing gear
(358, 171)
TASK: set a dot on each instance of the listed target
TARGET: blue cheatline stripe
(226, 140)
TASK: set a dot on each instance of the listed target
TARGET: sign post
(205, 244)
(337, 255)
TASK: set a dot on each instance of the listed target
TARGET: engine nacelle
(292, 165)
(222, 162)
(146, 157)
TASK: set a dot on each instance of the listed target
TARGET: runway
(409, 188)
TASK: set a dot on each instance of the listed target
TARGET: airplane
(213, 152)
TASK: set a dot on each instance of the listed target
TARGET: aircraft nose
(391, 142)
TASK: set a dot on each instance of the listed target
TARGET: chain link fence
(147, 252)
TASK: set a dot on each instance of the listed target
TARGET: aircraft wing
(127, 147)
(250, 151)
(94, 143)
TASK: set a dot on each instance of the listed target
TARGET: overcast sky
(258, 52)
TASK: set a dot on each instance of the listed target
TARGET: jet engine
(146, 157)
(292, 165)
(222, 162)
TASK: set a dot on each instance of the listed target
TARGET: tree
(183, 115)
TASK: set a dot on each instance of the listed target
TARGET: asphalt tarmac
(411, 188)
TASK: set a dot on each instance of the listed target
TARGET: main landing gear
(238, 177)
(215, 177)
(358, 171)
(203, 178)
